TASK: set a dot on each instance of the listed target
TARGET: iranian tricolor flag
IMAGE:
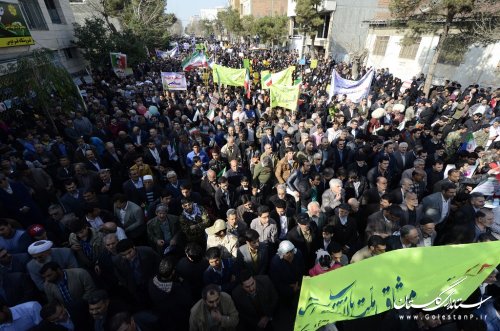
(266, 79)
(197, 60)
(248, 82)
(118, 60)
(469, 144)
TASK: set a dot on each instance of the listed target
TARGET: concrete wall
(56, 38)
(349, 31)
(480, 65)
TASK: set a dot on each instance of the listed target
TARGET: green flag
(284, 96)
(246, 63)
(424, 278)
(221, 173)
(229, 76)
(283, 77)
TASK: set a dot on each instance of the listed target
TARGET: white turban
(39, 246)
(285, 247)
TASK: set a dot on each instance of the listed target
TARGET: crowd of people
(140, 211)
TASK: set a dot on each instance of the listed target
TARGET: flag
(423, 278)
(118, 61)
(283, 77)
(248, 83)
(284, 96)
(229, 76)
(160, 54)
(266, 79)
(246, 63)
(469, 144)
(211, 62)
(314, 64)
(173, 52)
(196, 60)
(221, 173)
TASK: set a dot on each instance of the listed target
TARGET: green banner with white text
(425, 278)
(284, 96)
(228, 76)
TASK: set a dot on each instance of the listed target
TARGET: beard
(46, 260)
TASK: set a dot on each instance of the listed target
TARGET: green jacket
(155, 231)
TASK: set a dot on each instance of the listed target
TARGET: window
(296, 28)
(68, 53)
(322, 31)
(52, 9)
(410, 51)
(33, 14)
(380, 45)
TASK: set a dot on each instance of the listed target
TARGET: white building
(210, 14)
(83, 9)
(323, 38)
(479, 65)
(51, 25)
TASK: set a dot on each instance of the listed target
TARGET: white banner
(173, 81)
(354, 89)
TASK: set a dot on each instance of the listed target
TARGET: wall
(349, 29)
(262, 8)
(57, 38)
(87, 9)
(480, 65)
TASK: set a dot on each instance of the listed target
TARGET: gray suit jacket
(133, 222)
(405, 219)
(63, 256)
(80, 285)
(432, 206)
(328, 202)
(244, 259)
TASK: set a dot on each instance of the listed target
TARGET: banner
(118, 61)
(284, 96)
(314, 64)
(229, 76)
(119, 65)
(283, 77)
(13, 28)
(214, 103)
(355, 90)
(425, 278)
(166, 54)
(173, 81)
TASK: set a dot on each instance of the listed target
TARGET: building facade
(260, 8)
(210, 14)
(83, 9)
(51, 26)
(479, 65)
(323, 38)
(350, 27)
